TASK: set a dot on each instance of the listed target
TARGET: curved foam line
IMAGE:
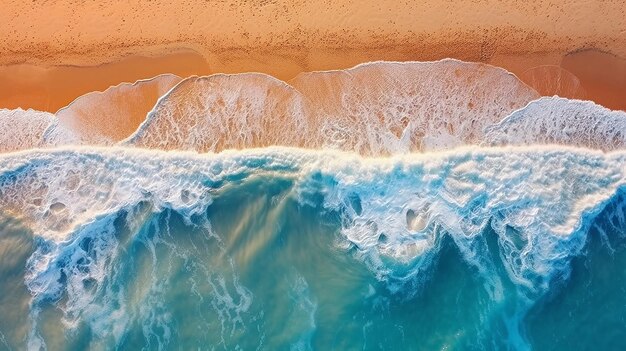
(119, 85)
(301, 74)
(105, 117)
(187, 80)
(561, 121)
(206, 103)
(447, 59)
(300, 90)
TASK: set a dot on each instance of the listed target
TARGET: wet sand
(603, 76)
(47, 62)
(51, 88)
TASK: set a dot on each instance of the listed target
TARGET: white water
(561, 121)
(378, 108)
(537, 199)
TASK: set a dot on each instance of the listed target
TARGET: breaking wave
(342, 209)
(392, 216)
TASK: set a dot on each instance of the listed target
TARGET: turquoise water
(270, 264)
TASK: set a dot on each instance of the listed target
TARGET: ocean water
(476, 248)
(393, 206)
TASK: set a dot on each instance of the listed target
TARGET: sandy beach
(47, 62)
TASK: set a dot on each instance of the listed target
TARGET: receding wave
(104, 118)
(551, 80)
(561, 121)
(378, 108)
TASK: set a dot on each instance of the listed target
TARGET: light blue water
(270, 263)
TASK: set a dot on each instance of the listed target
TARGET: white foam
(554, 120)
(22, 129)
(383, 108)
(539, 202)
(225, 111)
(393, 207)
(378, 108)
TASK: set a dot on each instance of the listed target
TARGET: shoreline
(55, 51)
(52, 88)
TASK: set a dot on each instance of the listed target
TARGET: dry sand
(53, 51)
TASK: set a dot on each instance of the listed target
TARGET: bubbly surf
(249, 213)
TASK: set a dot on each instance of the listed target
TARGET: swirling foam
(539, 201)
(22, 129)
(393, 205)
(561, 121)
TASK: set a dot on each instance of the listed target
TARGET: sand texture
(54, 51)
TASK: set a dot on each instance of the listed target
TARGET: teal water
(259, 268)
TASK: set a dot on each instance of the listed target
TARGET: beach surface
(53, 52)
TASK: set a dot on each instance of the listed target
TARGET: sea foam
(394, 207)
(554, 120)
(374, 109)
(23, 129)
(378, 108)
(221, 112)
(384, 108)
(395, 211)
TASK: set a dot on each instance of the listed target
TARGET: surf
(194, 227)
(415, 205)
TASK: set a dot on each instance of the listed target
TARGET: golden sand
(53, 51)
